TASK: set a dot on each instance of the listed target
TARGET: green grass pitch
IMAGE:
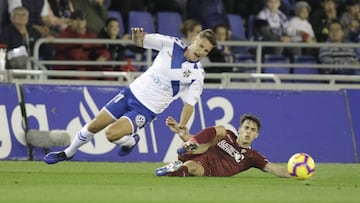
(103, 182)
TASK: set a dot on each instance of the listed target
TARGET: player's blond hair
(209, 35)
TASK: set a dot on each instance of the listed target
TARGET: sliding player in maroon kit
(216, 151)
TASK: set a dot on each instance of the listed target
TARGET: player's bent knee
(195, 169)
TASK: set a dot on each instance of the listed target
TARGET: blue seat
(168, 23)
(142, 19)
(236, 24)
(245, 58)
(117, 15)
(276, 59)
(305, 59)
(241, 58)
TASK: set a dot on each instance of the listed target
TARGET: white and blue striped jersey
(169, 75)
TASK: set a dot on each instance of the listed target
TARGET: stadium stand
(248, 65)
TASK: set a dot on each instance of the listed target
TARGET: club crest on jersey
(140, 120)
(186, 73)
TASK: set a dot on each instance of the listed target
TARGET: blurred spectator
(111, 30)
(221, 53)
(350, 19)
(124, 6)
(96, 13)
(117, 51)
(60, 11)
(78, 29)
(299, 28)
(321, 17)
(19, 38)
(208, 12)
(189, 29)
(38, 14)
(223, 33)
(224, 53)
(337, 55)
(271, 25)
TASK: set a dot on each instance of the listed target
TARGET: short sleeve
(258, 160)
(157, 41)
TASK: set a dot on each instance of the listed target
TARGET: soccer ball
(301, 166)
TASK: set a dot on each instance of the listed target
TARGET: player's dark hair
(209, 35)
(252, 118)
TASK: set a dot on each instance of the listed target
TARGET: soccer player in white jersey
(175, 69)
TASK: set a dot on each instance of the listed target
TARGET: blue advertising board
(315, 122)
(321, 123)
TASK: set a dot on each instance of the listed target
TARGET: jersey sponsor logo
(157, 82)
(230, 150)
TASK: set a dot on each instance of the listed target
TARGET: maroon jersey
(227, 158)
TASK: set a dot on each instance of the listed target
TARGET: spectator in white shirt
(299, 28)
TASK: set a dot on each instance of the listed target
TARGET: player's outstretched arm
(174, 126)
(137, 36)
(277, 170)
(186, 113)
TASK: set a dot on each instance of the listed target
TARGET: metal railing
(42, 41)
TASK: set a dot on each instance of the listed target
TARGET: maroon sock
(181, 172)
(206, 135)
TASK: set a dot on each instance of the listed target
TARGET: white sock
(127, 140)
(81, 138)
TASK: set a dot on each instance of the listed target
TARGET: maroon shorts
(202, 159)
